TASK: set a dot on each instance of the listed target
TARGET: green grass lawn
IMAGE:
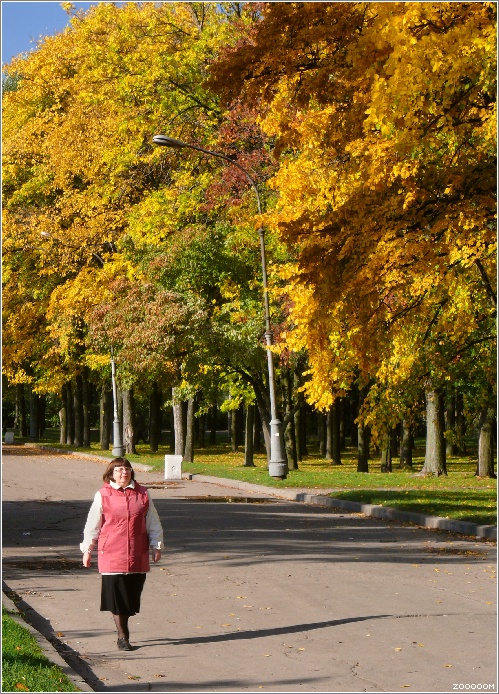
(24, 666)
(459, 495)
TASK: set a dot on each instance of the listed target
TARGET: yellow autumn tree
(384, 116)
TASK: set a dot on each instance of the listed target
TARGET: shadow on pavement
(249, 533)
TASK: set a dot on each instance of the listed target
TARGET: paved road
(263, 595)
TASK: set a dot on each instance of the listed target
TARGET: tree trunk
(386, 458)
(450, 423)
(154, 418)
(298, 434)
(322, 433)
(354, 413)
(257, 430)
(240, 426)
(63, 416)
(86, 402)
(34, 417)
(386, 454)
(189, 432)
(343, 413)
(363, 436)
(304, 430)
(389, 450)
(290, 444)
(485, 467)
(406, 446)
(300, 415)
(70, 428)
(106, 417)
(460, 425)
(42, 406)
(249, 436)
(264, 420)
(333, 442)
(236, 428)
(20, 423)
(233, 431)
(435, 461)
(329, 434)
(178, 424)
(289, 429)
(129, 421)
(185, 405)
(78, 410)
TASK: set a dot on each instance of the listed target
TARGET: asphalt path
(253, 593)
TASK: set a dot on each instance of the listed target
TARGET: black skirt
(121, 593)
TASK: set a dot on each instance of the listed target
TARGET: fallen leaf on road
(398, 649)
(447, 665)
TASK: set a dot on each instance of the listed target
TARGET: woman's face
(122, 475)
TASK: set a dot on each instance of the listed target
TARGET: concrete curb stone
(435, 522)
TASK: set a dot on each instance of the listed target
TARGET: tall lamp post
(278, 467)
(118, 449)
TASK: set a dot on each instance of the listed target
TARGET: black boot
(124, 645)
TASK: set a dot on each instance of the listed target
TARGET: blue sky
(24, 22)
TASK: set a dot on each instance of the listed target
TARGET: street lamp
(118, 449)
(278, 467)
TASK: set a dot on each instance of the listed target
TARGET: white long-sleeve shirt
(94, 522)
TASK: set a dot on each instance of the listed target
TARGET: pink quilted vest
(123, 545)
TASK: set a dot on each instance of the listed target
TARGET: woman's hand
(87, 559)
(156, 555)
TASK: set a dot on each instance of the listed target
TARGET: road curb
(48, 650)
(488, 532)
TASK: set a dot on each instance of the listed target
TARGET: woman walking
(125, 525)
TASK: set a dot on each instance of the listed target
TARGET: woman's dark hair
(117, 462)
